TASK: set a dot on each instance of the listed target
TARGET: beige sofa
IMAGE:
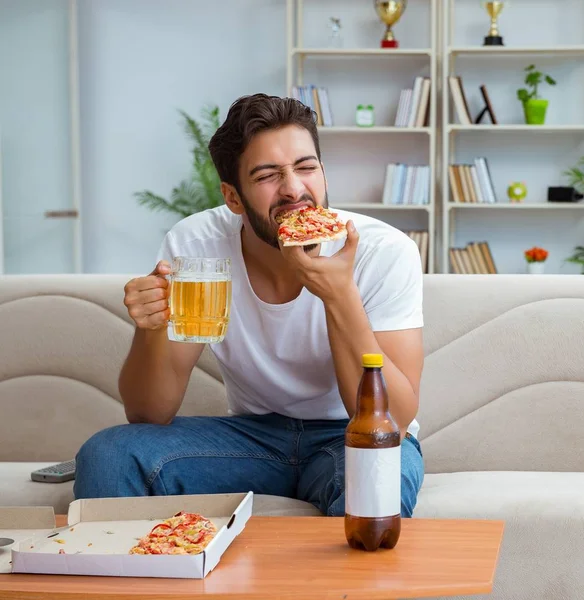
(502, 406)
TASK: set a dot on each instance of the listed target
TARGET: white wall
(141, 61)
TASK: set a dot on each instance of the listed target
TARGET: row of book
(422, 240)
(414, 103)
(406, 184)
(316, 98)
(475, 259)
(472, 182)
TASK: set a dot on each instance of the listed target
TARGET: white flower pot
(536, 268)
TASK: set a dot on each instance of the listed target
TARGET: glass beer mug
(200, 299)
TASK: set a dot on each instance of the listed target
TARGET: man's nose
(292, 185)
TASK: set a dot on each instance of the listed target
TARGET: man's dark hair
(248, 116)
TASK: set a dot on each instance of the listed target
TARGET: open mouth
(290, 207)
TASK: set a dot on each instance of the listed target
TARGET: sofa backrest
(502, 387)
(63, 340)
(503, 383)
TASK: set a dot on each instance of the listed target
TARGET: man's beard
(268, 231)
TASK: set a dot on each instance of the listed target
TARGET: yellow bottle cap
(372, 360)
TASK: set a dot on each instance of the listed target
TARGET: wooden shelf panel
(379, 206)
(379, 129)
(519, 205)
(498, 50)
(517, 128)
(358, 52)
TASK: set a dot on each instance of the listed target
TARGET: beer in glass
(200, 299)
(372, 465)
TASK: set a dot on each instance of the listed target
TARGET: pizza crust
(317, 240)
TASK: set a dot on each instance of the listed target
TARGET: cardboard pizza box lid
(100, 533)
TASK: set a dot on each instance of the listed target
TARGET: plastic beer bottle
(372, 465)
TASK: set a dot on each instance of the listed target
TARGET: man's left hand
(325, 277)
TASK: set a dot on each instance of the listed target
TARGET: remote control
(57, 473)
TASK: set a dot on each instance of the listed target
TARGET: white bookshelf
(297, 56)
(516, 133)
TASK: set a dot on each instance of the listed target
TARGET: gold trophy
(390, 11)
(494, 9)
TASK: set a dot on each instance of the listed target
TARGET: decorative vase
(517, 191)
(535, 111)
(536, 268)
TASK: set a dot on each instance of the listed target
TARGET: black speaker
(563, 194)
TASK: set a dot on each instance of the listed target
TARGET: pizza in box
(184, 533)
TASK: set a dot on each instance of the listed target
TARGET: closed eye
(266, 177)
(305, 169)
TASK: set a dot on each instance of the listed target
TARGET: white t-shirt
(276, 357)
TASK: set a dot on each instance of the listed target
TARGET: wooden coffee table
(307, 558)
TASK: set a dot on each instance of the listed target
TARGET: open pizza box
(20, 523)
(101, 532)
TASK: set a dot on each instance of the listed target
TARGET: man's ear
(232, 198)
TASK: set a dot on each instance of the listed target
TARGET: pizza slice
(185, 533)
(310, 225)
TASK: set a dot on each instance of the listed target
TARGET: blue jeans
(265, 454)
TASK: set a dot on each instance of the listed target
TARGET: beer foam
(189, 277)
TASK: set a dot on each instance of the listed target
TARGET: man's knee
(104, 463)
(409, 497)
(412, 475)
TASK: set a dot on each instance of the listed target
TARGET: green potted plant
(202, 189)
(534, 107)
(577, 258)
(575, 176)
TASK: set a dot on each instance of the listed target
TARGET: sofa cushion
(543, 541)
(500, 495)
(19, 490)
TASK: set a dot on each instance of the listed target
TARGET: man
(301, 319)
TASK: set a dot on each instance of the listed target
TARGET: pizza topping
(309, 223)
(185, 533)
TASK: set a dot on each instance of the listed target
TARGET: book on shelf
(472, 183)
(414, 103)
(406, 184)
(421, 238)
(475, 259)
(488, 107)
(316, 98)
(461, 104)
(459, 99)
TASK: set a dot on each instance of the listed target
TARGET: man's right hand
(147, 298)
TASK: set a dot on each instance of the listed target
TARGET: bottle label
(373, 482)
